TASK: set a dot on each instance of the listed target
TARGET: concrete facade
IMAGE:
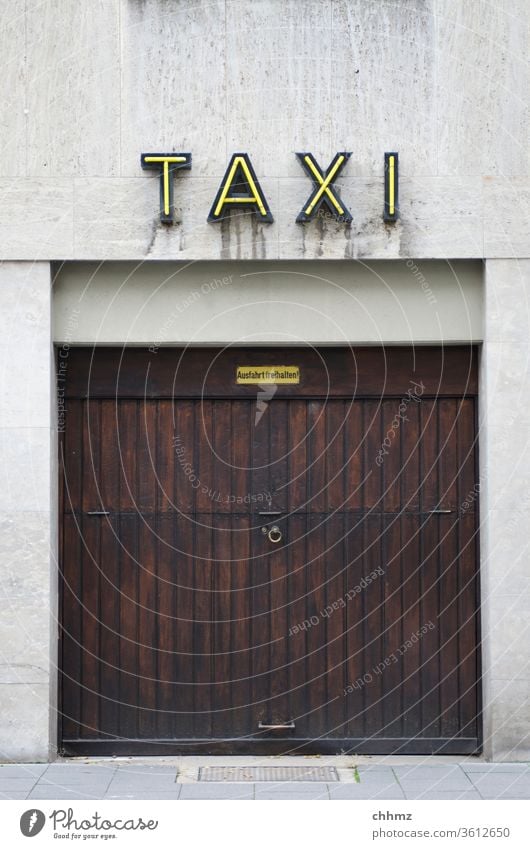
(88, 87)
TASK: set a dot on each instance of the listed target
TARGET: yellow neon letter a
(240, 189)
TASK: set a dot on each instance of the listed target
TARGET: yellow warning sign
(267, 374)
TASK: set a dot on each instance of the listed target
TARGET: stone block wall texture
(90, 86)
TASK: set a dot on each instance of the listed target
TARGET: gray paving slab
(217, 791)
(377, 779)
(501, 782)
(427, 773)
(494, 768)
(13, 795)
(299, 797)
(22, 770)
(62, 778)
(442, 785)
(290, 789)
(375, 769)
(149, 796)
(17, 784)
(49, 792)
(356, 791)
(431, 794)
(142, 769)
(81, 769)
(118, 786)
(506, 796)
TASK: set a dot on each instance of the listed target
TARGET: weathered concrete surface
(505, 503)
(27, 520)
(88, 87)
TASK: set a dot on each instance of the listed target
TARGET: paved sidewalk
(176, 778)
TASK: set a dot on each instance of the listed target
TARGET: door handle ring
(275, 535)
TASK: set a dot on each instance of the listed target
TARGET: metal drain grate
(268, 773)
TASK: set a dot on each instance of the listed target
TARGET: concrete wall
(255, 302)
(27, 514)
(89, 86)
(505, 508)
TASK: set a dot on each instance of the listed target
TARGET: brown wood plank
(395, 624)
(242, 571)
(298, 448)
(334, 615)
(316, 634)
(203, 636)
(220, 449)
(429, 456)
(90, 616)
(334, 454)
(297, 622)
(392, 462)
(72, 445)
(449, 591)
(412, 623)
(109, 623)
(316, 421)
(430, 641)
(187, 444)
(448, 429)
(127, 436)
(128, 677)
(222, 645)
(332, 372)
(148, 638)
(355, 623)
(374, 636)
(71, 652)
(354, 451)
(372, 447)
(168, 638)
(183, 566)
(467, 633)
(109, 478)
(411, 475)
(91, 496)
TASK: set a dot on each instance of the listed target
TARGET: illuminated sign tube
(240, 188)
(166, 164)
(323, 193)
(391, 208)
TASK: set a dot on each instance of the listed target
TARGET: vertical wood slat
(168, 695)
(412, 610)
(374, 638)
(354, 473)
(241, 571)
(278, 565)
(392, 674)
(109, 623)
(128, 657)
(71, 634)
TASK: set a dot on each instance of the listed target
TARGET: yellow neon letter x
(323, 192)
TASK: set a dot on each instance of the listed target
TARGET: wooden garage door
(185, 628)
